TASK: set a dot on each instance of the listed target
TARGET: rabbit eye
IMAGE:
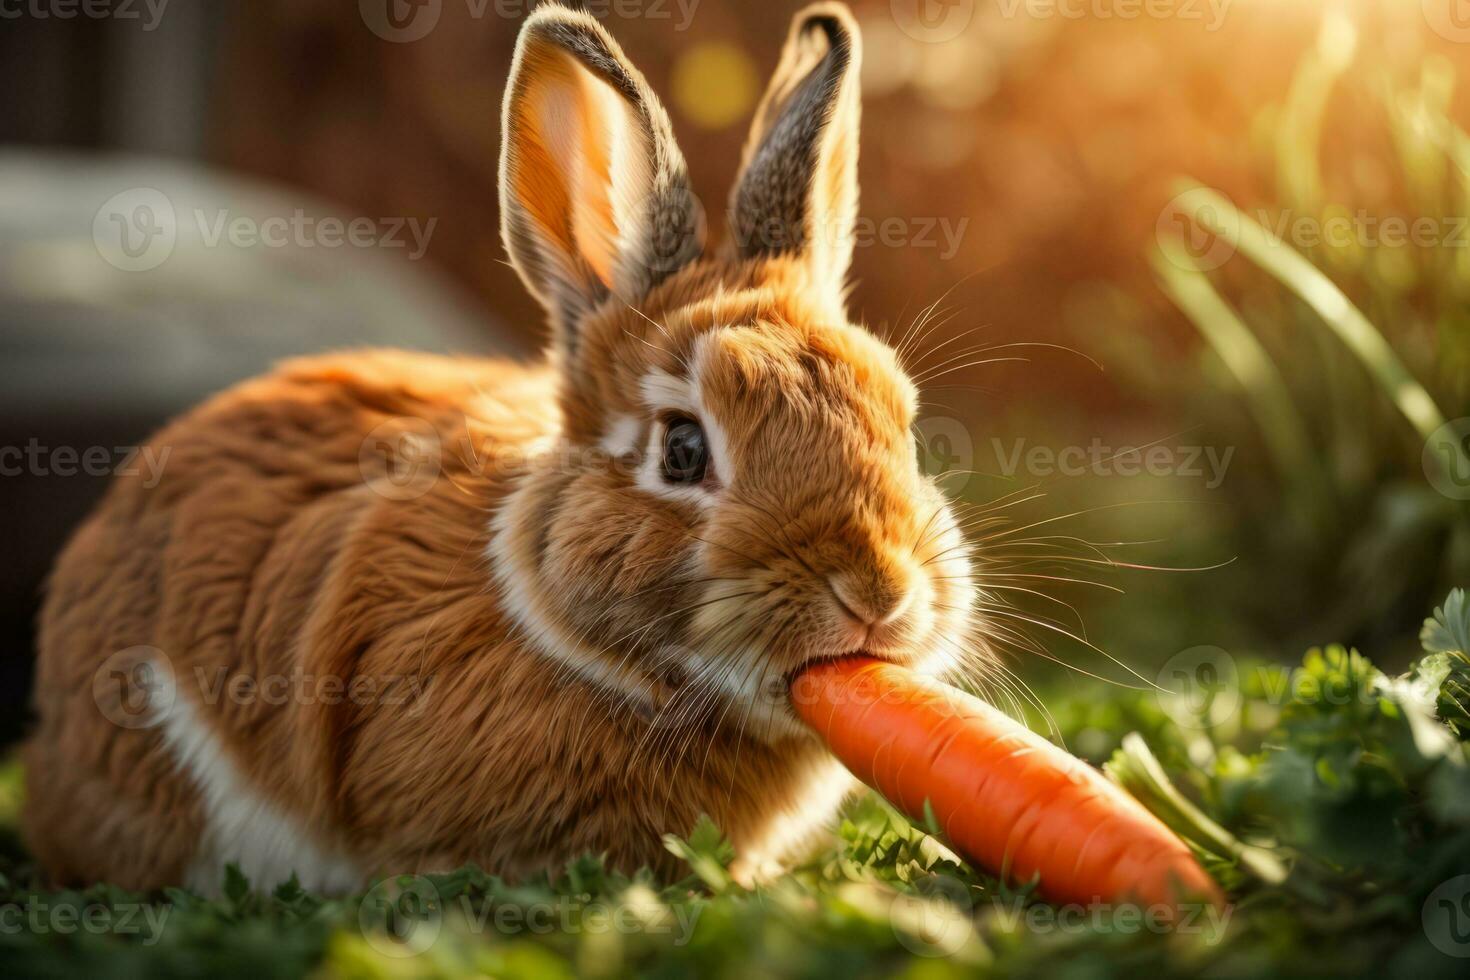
(686, 454)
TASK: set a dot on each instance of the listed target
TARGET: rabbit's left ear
(797, 191)
(594, 193)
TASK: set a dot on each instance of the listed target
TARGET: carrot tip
(1012, 800)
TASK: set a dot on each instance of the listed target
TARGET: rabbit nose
(873, 602)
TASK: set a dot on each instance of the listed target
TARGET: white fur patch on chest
(241, 826)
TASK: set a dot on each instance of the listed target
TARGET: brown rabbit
(388, 612)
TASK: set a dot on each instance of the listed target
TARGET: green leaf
(707, 839)
(236, 886)
(1135, 769)
(931, 822)
(1448, 630)
(707, 851)
(289, 892)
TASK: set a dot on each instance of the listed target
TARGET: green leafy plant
(1446, 668)
(1337, 815)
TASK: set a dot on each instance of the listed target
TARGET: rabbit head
(737, 491)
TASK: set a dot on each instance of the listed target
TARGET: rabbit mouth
(866, 652)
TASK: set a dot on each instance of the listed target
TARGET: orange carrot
(1001, 794)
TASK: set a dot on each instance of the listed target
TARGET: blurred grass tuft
(1344, 345)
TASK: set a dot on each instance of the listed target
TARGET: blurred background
(1188, 280)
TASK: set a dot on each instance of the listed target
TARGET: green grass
(1331, 800)
(1327, 359)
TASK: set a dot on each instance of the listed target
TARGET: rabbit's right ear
(594, 194)
(796, 195)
